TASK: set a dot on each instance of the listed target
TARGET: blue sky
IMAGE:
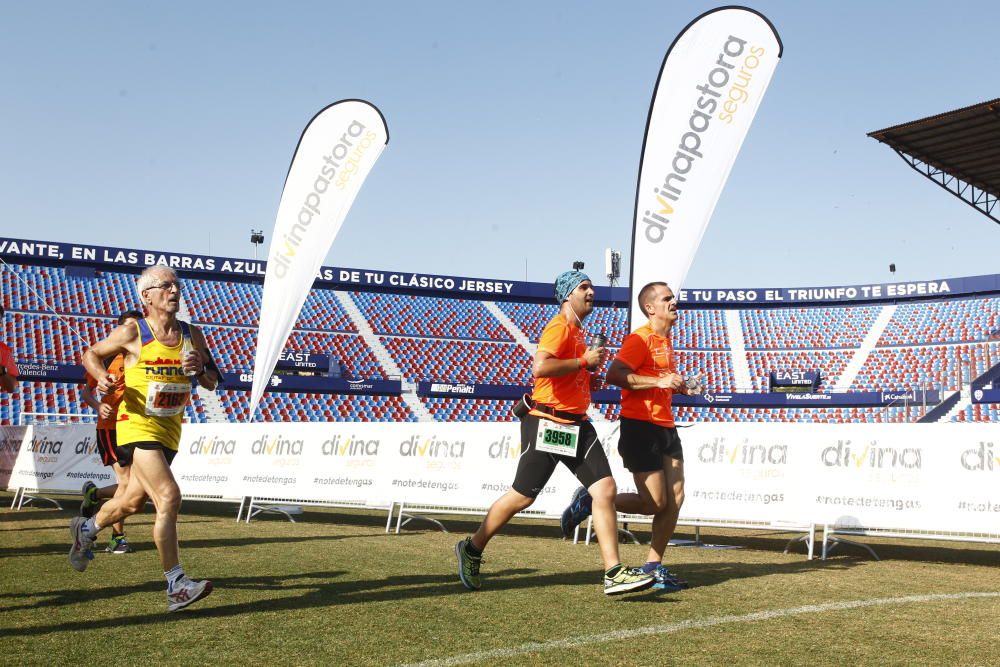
(515, 132)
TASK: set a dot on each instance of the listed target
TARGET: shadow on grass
(35, 514)
(315, 590)
(62, 548)
(710, 574)
(321, 589)
(888, 549)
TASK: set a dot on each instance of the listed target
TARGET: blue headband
(567, 282)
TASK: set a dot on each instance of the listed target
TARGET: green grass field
(334, 589)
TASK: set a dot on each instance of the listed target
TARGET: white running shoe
(81, 553)
(186, 592)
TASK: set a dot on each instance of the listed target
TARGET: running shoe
(90, 501)
(628, 580)
(118, 545)
(468, 566)
(667, 581)
(185, 591)
(81, 553)
(576, 513)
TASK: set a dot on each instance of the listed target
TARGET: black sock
(472, 550)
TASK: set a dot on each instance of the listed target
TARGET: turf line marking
(694, 624)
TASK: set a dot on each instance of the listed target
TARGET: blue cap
(567, 282)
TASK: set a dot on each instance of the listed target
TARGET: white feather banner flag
(710, 85)
(335, 154)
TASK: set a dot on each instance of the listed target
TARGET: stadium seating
(716, 368)
(689, 414)
(812, 328)
(460, 361)
(468, 410)
(931, 366)
(530, 318)
(830, 364)
(223, 302)
(48, 288)
(980, 412)
(46, 398)
(318, 407)
(955, 321)
(937, 344)
(235, 347)
(404, 315)
(43, 337)
(701, 330)
(239, 303)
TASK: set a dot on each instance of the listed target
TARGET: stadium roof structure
(958, 150)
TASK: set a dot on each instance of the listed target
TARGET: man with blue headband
(555, 430)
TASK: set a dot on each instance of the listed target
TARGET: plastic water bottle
(187, 349)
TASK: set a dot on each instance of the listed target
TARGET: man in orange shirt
(648, 442)
(557, 430)
(107, 445)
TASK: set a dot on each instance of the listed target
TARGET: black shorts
(107, 447)
(126, 451)
(534, 468)
(643, 445)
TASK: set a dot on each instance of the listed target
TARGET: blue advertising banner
(986, 396)
(470, 390)
(55, 372)
(332, 277)
(303, 361)
(41, 371)
(811, 400)
(52, 372)
(790, 377)
(613, 395)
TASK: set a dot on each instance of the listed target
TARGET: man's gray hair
(147, 277)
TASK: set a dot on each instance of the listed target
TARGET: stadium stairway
(738, 349)
(511, 328)
(215, 412)
(963, 400)
(857, 362)
(384, 358)
(950, 406)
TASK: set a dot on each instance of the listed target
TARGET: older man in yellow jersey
(158, 376)
(558, 430)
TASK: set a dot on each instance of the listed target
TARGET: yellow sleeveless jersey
(156, 392)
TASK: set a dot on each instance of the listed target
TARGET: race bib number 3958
(556, 438)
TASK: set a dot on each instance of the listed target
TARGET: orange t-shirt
(114, 397)
(567, 393)
(651, 356)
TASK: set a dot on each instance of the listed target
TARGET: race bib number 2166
(166, 399)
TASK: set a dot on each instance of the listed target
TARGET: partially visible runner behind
(157, 388)
(8, 369)
(648, 441)
(557, 430)
(107, 445)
